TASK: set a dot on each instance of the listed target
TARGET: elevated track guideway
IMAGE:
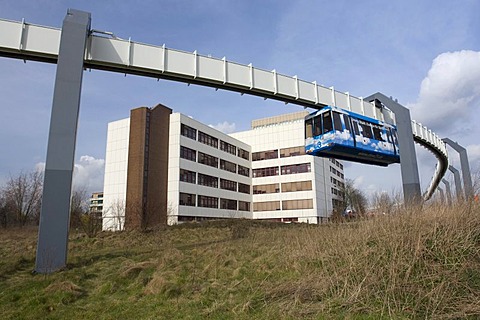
(104, 51)
(76, 46)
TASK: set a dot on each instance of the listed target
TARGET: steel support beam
(55, 211)
(448, 191)
(408, 157)
(458, 182)
(467, 177)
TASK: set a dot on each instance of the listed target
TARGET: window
(266, 206)
(366, 130)
(338, 204)
(297, 186)
(207, 159)
(309, 128)
(297, 204)
(228, 204)
(243, 206)
(187, 153)
(207, 202)
(346, 120)
(243, 188)
(291, 152)
(207, 139)
(244, 171)
(228, 184)
(265, 172)
(206, 180)
(266, 188)
(187, 176)
(296, 168)
(377, 133)
(243, 154)
(227, 147)
(337, 123)
(265, 155)
(188, 132)
(228, 166)
(327, 122)
(317, 129)
(187, 199)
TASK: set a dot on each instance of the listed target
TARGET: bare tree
(383, 202)
(354, 198)
(23, 195)
(5, 212)
(116, 213)
(78, 206)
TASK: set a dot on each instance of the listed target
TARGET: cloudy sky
(424, 53)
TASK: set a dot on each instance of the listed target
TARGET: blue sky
(424, 53)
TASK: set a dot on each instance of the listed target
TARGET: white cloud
(224, 127)
(87, 174)
(450, 92)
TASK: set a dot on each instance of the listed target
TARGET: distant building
(163, 167)
(96, 204)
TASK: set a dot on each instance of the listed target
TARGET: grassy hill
(418, 264)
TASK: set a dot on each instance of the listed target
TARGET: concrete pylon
(57, 187)
(448, 191)
(408, 158)
(467, 177)
(458, 182)
(442, 195)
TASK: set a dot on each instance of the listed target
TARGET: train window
(346, 120)
(327, 122)
(355, 128)
(377, 133)
(366, 130)
(309, 128)
(389, 135)
(337, 123)
(317, 130)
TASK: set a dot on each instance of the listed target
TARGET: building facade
(262, 173)
(96, 204)
(288, 185)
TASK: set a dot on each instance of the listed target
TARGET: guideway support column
(408, 158)
(55, 211)
(467, 177)
(448, 191)
(458, 182)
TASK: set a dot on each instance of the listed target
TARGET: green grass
(422, 264)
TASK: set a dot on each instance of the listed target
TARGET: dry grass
(419, 264)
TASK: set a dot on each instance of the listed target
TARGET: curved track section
(107, 52)
(426, 138)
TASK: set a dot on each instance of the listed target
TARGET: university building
(163, 167)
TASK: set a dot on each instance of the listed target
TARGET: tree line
(21, 199)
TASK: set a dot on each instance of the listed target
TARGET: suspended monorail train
(336, 133)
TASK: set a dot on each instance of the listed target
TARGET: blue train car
(336, 133)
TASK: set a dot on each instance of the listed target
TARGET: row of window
(337, 204)
(192, 200)
(273, 154)
(335, 162)
(286, 187)
(337, 172)
(211, 181)
(209, 160)
(336, 182)
(287, 169)
(209, 140)
(286, 205)
(337, 192)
